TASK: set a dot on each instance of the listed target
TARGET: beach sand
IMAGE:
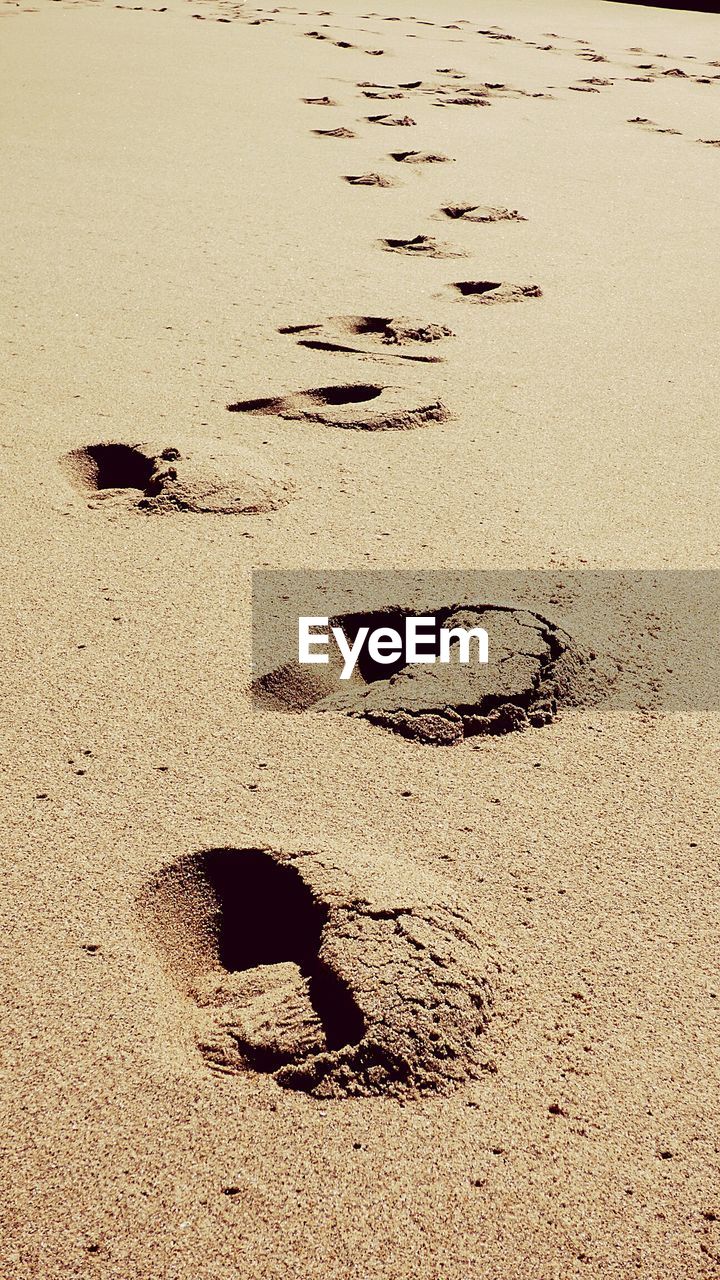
(171, 202)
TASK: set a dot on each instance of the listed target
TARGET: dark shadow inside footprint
(252, 935)
(353, 393)
(114, 466)
(368, 669)
(470, 287)
(419, 157)
(265, 912)
(267, 916)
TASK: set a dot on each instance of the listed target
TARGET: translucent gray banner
(439, 656)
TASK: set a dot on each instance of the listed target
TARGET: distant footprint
(369, 180)
(397, 121)
(481, 213)
(651, 127)
(340, 132)
(471, 98)
(371, 335)
(422, 245)
(495, 291)
(162, 479)
(339, 406)
(420, 157)
(293, 967)
(320, 102)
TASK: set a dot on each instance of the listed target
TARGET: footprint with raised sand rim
(422, 245)
(355, 406)
(383, 336)
(489, 292)
(536, 670)
(156, 478)
(292, 968)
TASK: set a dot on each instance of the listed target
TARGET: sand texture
(414, 978)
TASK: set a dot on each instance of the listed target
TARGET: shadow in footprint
(113, 466)
(489, 292)
(252, 937)
(423, 245)
(420, 157)
(338, 406)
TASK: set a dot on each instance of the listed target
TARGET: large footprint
(295, 970)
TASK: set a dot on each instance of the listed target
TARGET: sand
(184, 186)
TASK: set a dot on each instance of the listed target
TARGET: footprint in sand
(471, 98)
(494, 291)
(382, 93)
(371, 335)
(425, 246)
(650, 127)
(369, 180)
(164, 479)
(481, 213)
(399, 121)
(420, 157)
(337, 986)
(373, 84)
(354, 406)
(536, 670)
(340, 132)
(320, 102)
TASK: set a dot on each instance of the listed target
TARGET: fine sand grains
(413, 974)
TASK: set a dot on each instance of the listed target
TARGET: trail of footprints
(375, 406)
(290, 966)
(293, 971)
